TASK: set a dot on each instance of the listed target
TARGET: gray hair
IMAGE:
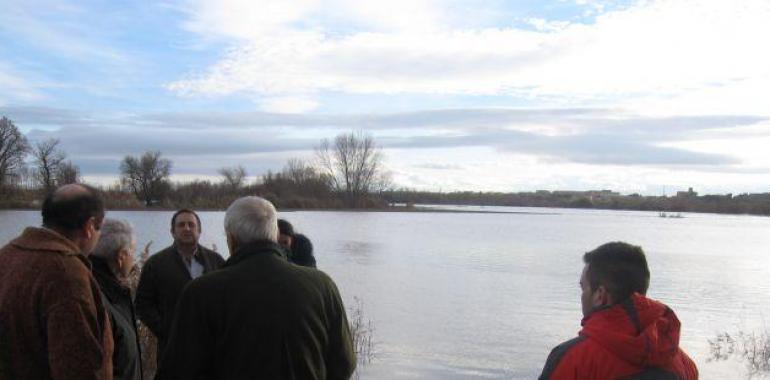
(251, 219)
(115, 235)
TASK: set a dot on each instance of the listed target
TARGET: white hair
(251, 219)
(115, 235)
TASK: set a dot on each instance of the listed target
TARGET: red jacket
(637, 337)
(53, 323)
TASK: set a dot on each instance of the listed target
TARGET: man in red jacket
(625, 335)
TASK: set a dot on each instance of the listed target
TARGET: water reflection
(358, 252)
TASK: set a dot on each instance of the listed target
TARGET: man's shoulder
(318, 278)
(162, 255)
(211, 253)
(559, 354)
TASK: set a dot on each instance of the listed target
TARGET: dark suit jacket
(163, 277)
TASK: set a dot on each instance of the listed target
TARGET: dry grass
(363, 332)
(147, 342)
(753, 349)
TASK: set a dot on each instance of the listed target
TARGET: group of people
(66, 311)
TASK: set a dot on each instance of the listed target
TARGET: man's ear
(231, 245)
(601, 296)
(89, 228)
(119, 259)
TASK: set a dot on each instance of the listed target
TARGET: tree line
(49, 167)
(346, 172)
(757, 204)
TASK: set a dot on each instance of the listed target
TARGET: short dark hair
(620, 267)
(285, 228)
(70, 213)
(185, 211)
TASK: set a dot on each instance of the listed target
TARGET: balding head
(250, 219)
(70, 207)
(70, 191)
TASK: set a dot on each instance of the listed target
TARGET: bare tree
(146, 176)
(48, 157)
(234, 177)
(300, 172)
(13, 148)
(67, 173)
(354, 164)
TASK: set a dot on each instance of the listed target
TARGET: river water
(488, 294)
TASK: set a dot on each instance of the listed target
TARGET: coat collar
(44, 239)
(197, 255)
(255, 249)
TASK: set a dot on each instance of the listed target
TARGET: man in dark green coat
(165, 274)
(259, 317)
(112, 262)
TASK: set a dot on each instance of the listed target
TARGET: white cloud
(16, 87)
(289, 104)
(652, 52)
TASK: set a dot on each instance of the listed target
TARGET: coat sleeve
(340, 355)
(147, 300)
(188, 351)
(75, 341)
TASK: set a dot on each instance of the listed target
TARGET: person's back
(260, 317)
(625, 335)
(638, 339)
(274, 328)
(53, 322)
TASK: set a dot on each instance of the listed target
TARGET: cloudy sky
(636, 96)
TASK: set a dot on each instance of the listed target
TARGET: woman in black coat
(299, 249)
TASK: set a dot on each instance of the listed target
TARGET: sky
(645, 97)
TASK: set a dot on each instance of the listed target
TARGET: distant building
(687, 194)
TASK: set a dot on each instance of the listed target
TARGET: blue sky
(637, 96)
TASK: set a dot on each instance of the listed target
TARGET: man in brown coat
(53, 323)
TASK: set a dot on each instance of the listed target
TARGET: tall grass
(753, 349)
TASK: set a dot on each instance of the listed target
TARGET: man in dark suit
(166, 273)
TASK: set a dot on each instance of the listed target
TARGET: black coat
(260, 317)
(127, 358)
(164, 275)
(302, 251)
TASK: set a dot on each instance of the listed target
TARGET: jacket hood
(640, 331)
